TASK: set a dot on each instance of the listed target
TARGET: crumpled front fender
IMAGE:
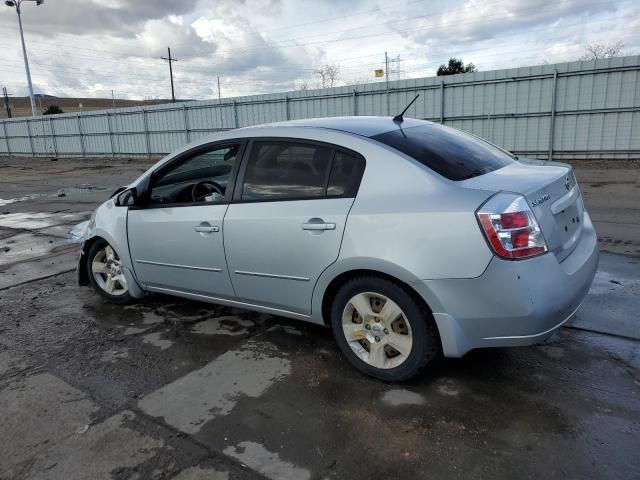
(82, 232)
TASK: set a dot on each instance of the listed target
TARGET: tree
(52, 110)
(456, 65)
(599, 50)
(302, 86)
(328, 75)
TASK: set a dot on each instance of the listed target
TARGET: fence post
(286, 105)
(235, 114)
(82, 148)
(113, 148)
(221, 118)
(146, 132)
(185, 119)
(53, 137)
(553, 113)
(355, 103)
(441, 101)
(6, 138)
(33, 152)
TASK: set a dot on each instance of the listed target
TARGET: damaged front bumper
(79, 234)
(82, 231)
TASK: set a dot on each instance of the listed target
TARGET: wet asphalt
(170, 388)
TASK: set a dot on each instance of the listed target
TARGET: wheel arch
(83, 262)
(339, 273)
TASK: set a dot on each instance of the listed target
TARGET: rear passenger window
(284, 170)
(346, 172)
(288, 170)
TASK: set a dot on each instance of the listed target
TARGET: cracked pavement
(175, 389)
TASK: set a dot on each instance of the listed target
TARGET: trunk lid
(552, 194)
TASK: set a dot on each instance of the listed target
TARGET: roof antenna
(398, 118)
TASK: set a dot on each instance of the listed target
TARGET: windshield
(449, 152)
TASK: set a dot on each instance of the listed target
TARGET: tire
(104, 279)
(390, 341)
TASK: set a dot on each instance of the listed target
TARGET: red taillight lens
(514, 220)
(520, 239)
(510, 227)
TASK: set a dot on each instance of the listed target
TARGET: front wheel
(382, 330)
(105, 273)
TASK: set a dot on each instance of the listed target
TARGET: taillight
(511, 227)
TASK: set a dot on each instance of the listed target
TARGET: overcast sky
(86, 48)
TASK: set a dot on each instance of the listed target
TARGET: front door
(175, 238)
(286, 223)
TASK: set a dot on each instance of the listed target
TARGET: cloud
(79, 17)
(89, 47)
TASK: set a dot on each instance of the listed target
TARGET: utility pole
(386, 72)
(219, 102)
(386, 68)
(113, 99)
(7, 105)
(170, 60)
(16, 4)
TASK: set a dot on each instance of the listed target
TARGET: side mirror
(127, 198)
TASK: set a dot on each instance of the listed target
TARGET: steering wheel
(208, 186)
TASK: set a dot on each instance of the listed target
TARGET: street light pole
(16, 3)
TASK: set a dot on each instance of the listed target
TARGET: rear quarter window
(449, 152)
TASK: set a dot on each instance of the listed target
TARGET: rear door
(175, 238)
(286, 223)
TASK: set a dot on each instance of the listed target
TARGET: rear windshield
(451, 153)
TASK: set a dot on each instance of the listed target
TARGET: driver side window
(202, 178)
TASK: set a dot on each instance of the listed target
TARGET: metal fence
(567, 110)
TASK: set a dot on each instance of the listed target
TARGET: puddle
(399, 397)
(268, 463)
(197, 473)
(156, 340)
(228, 325)
(26, 198)
(25, 246)
(213, 390)
(36, 220)
(286, 329)
(112, 356)
(63, 192)
(84, 188)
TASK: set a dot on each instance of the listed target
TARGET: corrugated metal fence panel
(596, 113)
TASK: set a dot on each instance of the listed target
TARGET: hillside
(21, 106)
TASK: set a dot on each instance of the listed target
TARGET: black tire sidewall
(93, 251)
(426, 343)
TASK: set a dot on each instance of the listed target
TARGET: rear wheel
(382, 330)
(105, 273)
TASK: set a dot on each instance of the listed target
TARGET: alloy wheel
(107, 272)
(377, 330)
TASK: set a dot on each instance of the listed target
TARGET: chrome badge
(540, 200)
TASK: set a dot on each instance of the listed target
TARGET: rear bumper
(513, 303)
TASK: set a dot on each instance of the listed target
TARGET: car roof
(365, 126)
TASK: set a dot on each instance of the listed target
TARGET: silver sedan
(408, 238)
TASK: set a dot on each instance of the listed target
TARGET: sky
(87, 48)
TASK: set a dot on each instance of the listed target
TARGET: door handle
(206, 228)
(318, 226)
